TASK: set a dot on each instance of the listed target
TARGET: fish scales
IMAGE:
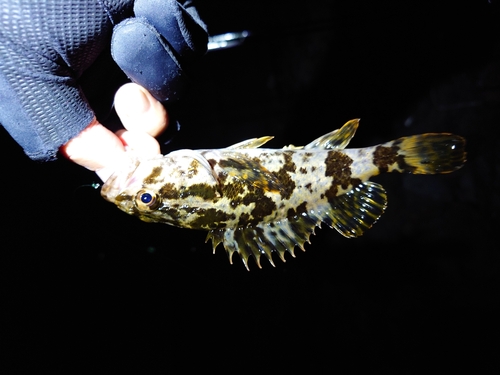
(259, 201)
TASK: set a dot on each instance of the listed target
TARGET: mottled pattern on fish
(258, 201)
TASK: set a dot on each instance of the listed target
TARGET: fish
(262, 201)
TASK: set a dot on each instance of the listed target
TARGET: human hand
(100, 150)
(42, 104)
(139, 47)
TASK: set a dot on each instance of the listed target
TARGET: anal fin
(250, 143)
(337, 139)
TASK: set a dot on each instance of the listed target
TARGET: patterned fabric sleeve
(45, 46)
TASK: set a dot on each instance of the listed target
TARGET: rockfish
(259, 201)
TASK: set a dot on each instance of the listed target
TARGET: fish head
(168, 188)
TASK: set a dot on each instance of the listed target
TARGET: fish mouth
(116, 183)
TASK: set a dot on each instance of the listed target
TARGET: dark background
(87, 287)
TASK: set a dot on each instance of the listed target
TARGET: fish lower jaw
(108, 192)
(117, 182)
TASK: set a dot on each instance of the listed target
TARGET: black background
(86, 287)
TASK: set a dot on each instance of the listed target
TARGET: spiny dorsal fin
(265, 239)
(350, 214)
(337, 139)
(251, 143)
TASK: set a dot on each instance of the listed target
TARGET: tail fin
(422, 154)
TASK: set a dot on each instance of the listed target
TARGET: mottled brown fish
(259, 201)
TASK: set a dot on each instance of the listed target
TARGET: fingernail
(131, 101)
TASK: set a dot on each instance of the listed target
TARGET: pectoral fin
(246, 172)
(350, 214)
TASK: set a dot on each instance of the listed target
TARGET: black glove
(157, 47)
(47, 45)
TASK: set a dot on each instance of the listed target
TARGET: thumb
(139, 111)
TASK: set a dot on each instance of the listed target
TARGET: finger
(159, 46)
(94, 148)
(139, 111)
(179, 24)
(142, 144)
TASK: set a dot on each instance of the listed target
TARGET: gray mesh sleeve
(45, 46)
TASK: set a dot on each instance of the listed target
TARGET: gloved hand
(46, 47)
(157, 47)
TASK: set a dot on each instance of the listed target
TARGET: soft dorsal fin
(337, 139)
(357, 210)
(251, 143)
(350, 214)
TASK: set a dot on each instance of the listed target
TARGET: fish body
(259, 201)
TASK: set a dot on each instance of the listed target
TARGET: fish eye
(146, 199)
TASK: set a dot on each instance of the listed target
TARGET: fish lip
(116, 183)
